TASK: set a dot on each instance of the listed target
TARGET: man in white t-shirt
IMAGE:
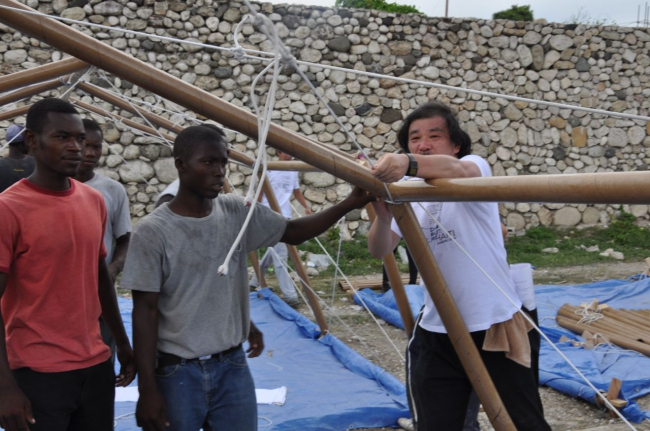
(118, 221)
(436, 147)
(284, 184)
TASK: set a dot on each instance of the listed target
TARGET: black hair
(216, 128)
(186, 141)
(39, 111)
(436, 109)
(92, 125)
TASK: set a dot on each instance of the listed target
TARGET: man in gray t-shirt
(189, 322)
(118, 218)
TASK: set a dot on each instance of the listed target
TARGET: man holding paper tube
(436, 147)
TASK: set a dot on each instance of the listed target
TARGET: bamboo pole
(609, 326)
(395, 279)
(8, 115)
(600, 188)
(41, 73)
(121, 119)
(627, 318)
(148, 77)
(312, 299)
(451, 317)
(291, 165)
(30, 91)
(620, 341)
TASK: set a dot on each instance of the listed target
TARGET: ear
(180, 164)
(31, 139)
(456, 150)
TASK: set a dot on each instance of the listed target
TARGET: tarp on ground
(330, 386)
(599, 365)
(385, 306)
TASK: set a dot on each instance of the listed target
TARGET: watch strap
(413, 166)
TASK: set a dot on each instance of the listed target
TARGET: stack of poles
(628, 329)
(630, 187)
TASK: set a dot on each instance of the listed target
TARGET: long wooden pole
(312, 298)
(41, 73)
(8, 115)
(395, 279)
(619, 340)
(26, 92)
(176, 90)
(600, 188)
(451, 318)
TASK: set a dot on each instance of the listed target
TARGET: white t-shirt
(118, 220)
(477, 227)
(171, 189)
(283, 184)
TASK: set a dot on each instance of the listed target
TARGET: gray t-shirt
(201, 312)
(118, 218)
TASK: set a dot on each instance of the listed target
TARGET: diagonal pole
(451, 317)
(41, 73)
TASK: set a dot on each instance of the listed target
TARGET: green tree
(382, 5)
(515, 13)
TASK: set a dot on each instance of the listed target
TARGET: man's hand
(113, 271)
(308, 211)
(255, 341)
(15, 409)
(382, 210)
(127, 365)
(391, 167)
(360, 197)
(150, 412)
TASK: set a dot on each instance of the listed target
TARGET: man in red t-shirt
(55, 371)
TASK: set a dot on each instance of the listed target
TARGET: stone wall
(599, 67)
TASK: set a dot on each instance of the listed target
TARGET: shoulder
(110, 184)
(479, 161)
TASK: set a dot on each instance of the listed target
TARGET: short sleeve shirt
(200, 311)
(50, 247)
(477, 228)
(117, 210)
(283, 184)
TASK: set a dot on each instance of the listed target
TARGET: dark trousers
(413, 271)
(442, 390)
(78, 400)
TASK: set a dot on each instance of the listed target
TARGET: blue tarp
(330, 386)
(385, 306)
(599, 365)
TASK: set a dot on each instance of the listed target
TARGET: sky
(623, 12)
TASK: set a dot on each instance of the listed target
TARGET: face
(92, 151)
(283, 156)
(204, 171)
(59, 145)
(429, 136)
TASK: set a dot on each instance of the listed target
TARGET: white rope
(527, 317)
(263, 125)
(338, 257)
(236, 50)
(103, 75)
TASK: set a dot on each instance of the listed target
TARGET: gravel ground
(563, 413)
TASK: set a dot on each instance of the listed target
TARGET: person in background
(284, 185)
(118, 223)
(18, 164)
(55, 371)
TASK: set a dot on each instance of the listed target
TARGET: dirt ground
(357, 328)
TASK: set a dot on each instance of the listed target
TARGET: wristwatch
(413, 166)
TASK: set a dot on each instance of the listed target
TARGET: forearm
(442, 166)
(381, 238)
(145, 338)
(300, 198)
(110, 309)
(119, 254)
(301, 229)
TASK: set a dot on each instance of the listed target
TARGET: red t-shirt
(50, 247)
